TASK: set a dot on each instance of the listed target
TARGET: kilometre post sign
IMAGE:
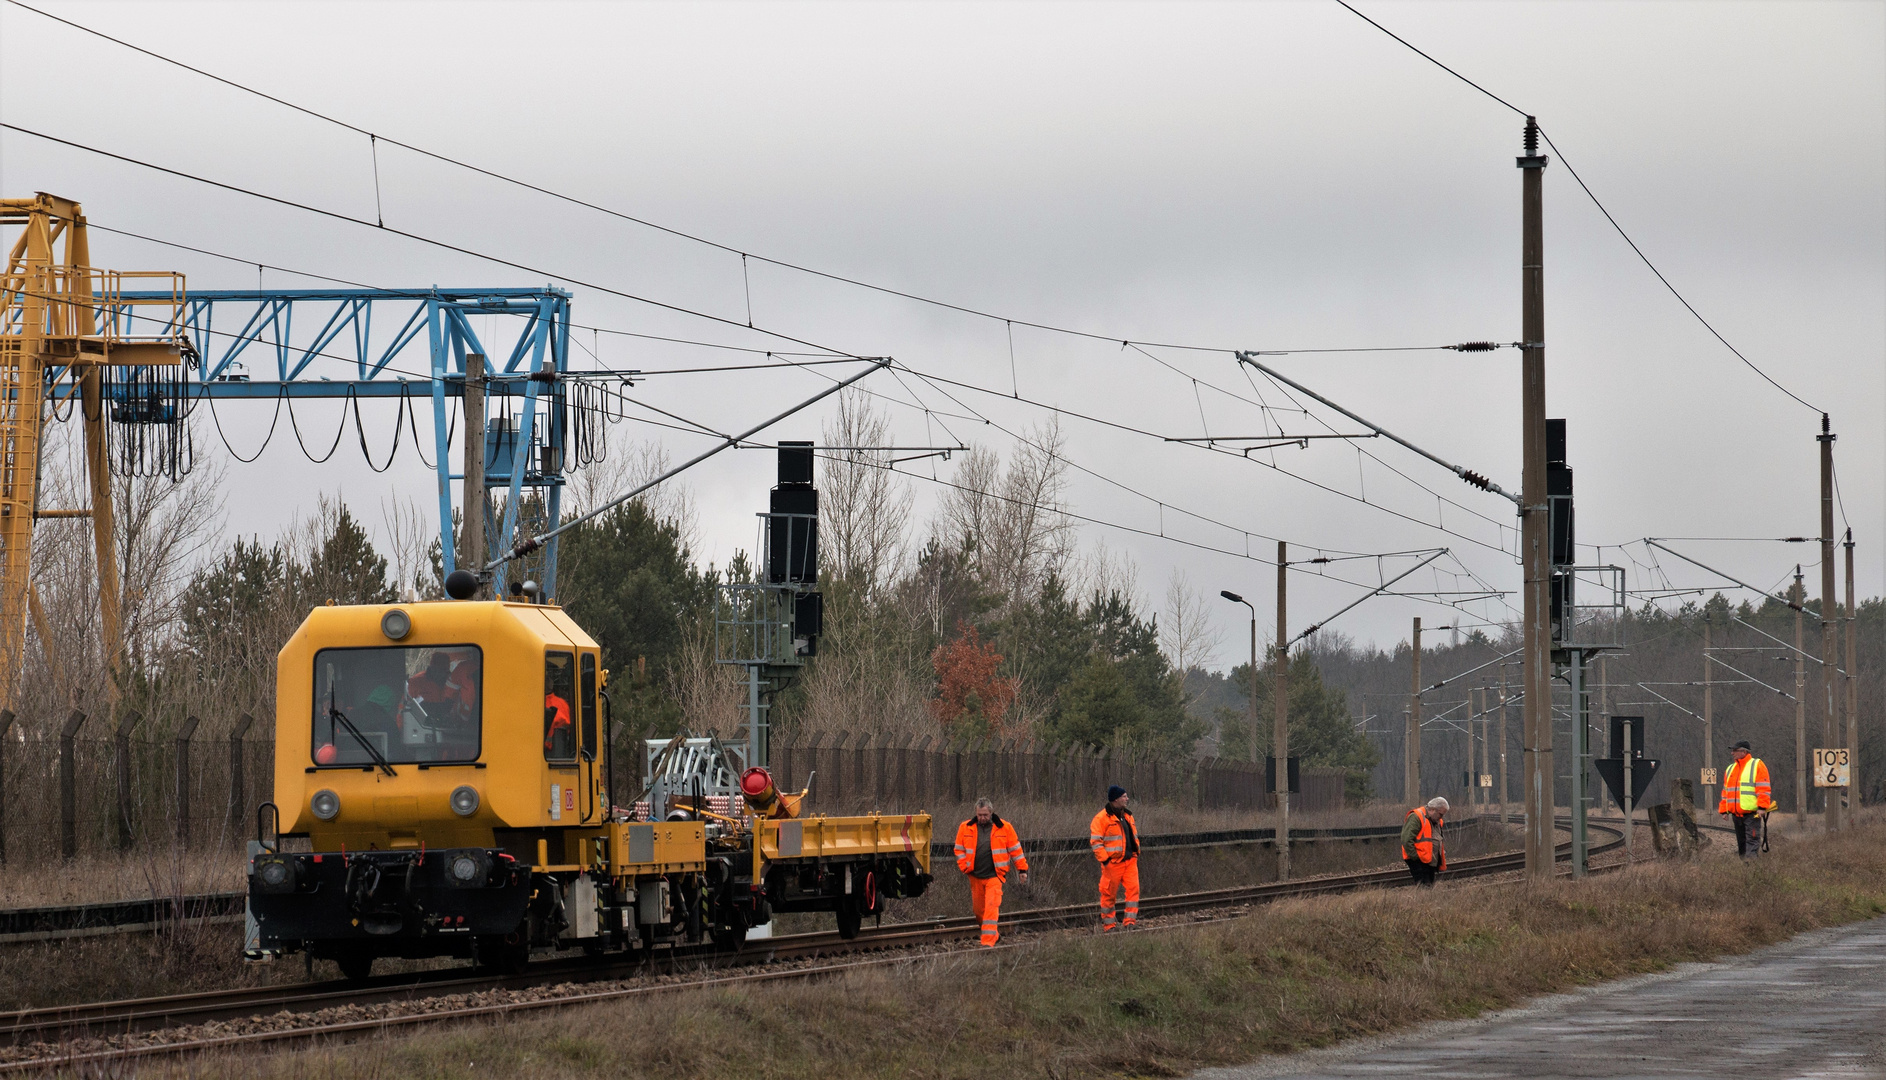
(1830, 767)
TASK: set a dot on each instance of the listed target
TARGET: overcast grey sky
(1259, 176)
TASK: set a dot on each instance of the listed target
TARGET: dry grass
(138, 874)
(1293, 975)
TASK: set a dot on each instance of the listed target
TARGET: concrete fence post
(900, 781)
(884, 750)
(121, 766)
(780, 754)
(6, 725)
(841, 784)
(921, 771)
(69, 785)
(237, 803)
(184, 735)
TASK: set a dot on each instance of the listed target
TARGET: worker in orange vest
(986, 849)
(1747, 798)
(1115, 841)
(1421, 845)
(559, 736)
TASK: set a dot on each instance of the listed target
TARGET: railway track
(69, 921)
(70, 1033)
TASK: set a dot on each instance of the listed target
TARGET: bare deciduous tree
(1188, 636)
(863, 507)
(629, 467)
(1015, 520)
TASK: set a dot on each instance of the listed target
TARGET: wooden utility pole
(1473, 771)
(1280, 739)
(1709, 720)
(1853, 691)
(1253, 705)
(1411, 780)
(1534, 543)
(1830, 621)
(1797, 594)
(1505, 792)
(472, 544)
(1604, 714)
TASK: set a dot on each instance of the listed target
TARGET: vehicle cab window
(588, 705)
(559, 707)
(397, 705)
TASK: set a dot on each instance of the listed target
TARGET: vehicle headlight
(396, 624)
(464, 800)
(466, 869)
(325, 804)
(275, 875)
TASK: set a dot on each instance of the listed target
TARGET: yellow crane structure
(62, 323)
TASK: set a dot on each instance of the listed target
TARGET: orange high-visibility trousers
(1117, 877)
(985, 895)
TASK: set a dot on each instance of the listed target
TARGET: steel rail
(111, 1018)
(59, 923)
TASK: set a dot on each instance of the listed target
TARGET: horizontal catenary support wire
(1469, 476)
(1314, 627)
(702, 429)
(525, 547)
(1071, 515)
(1764, 592)
(1132, 430)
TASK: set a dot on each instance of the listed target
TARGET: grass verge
(1161, 1003)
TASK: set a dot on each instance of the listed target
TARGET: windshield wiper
(378, 758)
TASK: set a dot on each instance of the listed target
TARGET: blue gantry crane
(279, 347)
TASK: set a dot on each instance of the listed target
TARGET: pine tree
(344, 567)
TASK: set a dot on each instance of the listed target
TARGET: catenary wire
(836, 357)
(443, 245)
(376, 138)
(1582, 186)
(1130, 429)
(459, 249)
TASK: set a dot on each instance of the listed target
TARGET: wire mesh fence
(82, 786)
(856, 772)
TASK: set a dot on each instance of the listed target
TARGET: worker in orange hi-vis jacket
(986, 850)
(1115, 841)
(1747, 798)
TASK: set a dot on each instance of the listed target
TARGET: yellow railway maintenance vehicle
(448, 763)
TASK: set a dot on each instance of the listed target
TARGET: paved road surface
(1811, 1007)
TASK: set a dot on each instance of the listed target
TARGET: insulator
(1476, 479)
(1532, 137)
(1475, 346)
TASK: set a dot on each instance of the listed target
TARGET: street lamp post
(1236, 599)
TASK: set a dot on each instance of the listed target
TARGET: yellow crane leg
(104, 529)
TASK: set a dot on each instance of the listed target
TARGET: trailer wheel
(850, 918)
(729, 931)
(356, 966)
(506, 954)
